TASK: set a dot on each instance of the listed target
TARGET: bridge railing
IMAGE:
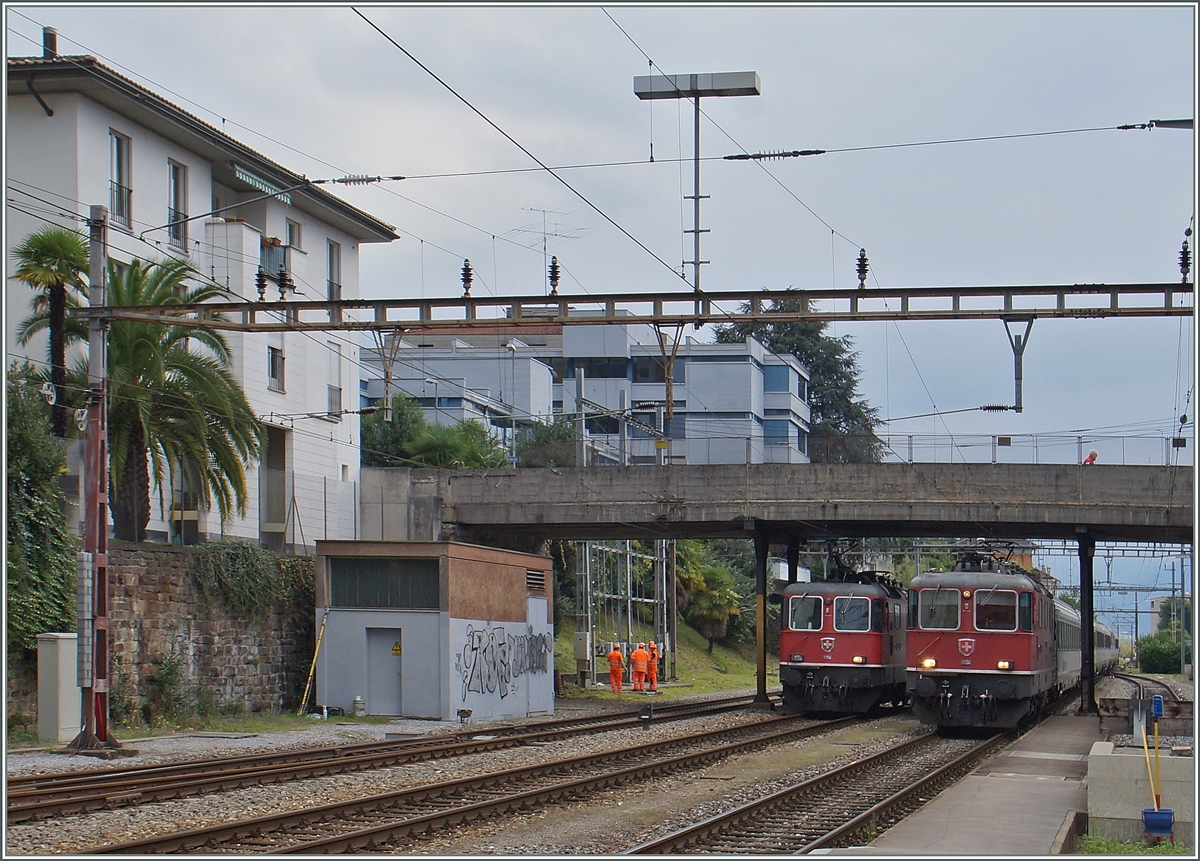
(1129, 449)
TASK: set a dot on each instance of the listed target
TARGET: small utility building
(425, 629)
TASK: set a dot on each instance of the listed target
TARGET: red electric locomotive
(841, 643)
(982, 646)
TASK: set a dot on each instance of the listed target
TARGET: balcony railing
(177, 228)
(121, 203)
(335, 402)
(272, 258)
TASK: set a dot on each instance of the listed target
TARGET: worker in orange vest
(639, 659)
(616, 665)
(652, 667)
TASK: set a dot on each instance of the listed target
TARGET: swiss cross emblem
(966, 647)
(827, 644)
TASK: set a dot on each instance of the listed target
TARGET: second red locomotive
(841, 643)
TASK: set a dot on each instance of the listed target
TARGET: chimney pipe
(49, 43)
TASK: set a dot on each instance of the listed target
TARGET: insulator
(862, 268)
(358, 179)
(995, 408)
(467, 277)
(555, 275)
(1185, 260)
(260, 282)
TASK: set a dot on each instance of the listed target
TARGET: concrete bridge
(790, 504)
(520, 508)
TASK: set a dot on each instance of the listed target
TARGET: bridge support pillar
(1087, 630)
(761, 546)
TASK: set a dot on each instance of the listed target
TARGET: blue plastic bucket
(1161, 821)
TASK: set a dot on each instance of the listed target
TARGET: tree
(53, 261)
(170, 405)
(40, 570)
(1168, 615)
(842, 425)
(1159, 653)
(385, 441)
(547, 444)
(711, 609)
(465, 445)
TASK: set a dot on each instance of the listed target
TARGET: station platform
(1014, 803)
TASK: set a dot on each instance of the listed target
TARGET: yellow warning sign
(396, 648)
(660, 443)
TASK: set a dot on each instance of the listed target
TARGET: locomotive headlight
(1004, 665)
(929, 663)
(859, 659)
(796, 659)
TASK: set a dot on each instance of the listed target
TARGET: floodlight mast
(693, 87)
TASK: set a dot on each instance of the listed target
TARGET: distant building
(80, 134)
(731, 403)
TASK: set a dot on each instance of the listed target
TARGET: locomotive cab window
(878, 616)
(996, 610)
(1025, 612)
(938, 609)
(851, 614)
(805, 613)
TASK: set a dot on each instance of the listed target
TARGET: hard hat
(641, 645)
(652, 645)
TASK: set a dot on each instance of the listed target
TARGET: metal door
(385, 671)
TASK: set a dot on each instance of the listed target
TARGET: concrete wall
(1118, 784)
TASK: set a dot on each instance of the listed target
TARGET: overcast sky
(323, 93)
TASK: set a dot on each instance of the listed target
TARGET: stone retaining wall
(157, 610)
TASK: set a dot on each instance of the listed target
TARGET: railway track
(847, 806)
(376, 820)
(42, 796)
(1147, 686)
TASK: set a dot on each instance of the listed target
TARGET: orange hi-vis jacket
(639, 659)
(654, 659)
(615, 660)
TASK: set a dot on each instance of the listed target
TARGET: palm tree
(52, 261)
(712, 609)
(172, 405)
(465, 445)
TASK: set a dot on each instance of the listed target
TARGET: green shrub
(244, 579)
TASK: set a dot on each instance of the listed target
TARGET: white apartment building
(733, 403)
(78, 134)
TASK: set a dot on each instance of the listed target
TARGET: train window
(911, 621)
(851, 614)
(996, 610)
(1025, 612)
(895, 617)
(805, 613)
(938, 609)
(878, 616)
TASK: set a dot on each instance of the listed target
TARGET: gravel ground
(77, 834)
(1120, 688)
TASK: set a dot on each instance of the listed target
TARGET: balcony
(272, 257)
(120, 204)
(177, 228)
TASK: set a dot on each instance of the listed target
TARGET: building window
(603, 368)
(275, 369)
(120, 190)
(335, 380)
(777, 431)
(334, 291)
(177, 205)
(775, 378)
(293, 234)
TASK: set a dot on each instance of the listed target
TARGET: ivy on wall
(40, 571)
(244, 579)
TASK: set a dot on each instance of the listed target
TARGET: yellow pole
(312, 669)
(1149, 773)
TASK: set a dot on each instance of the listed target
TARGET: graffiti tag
(492, 660)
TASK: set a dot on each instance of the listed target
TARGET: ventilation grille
(535, 582)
